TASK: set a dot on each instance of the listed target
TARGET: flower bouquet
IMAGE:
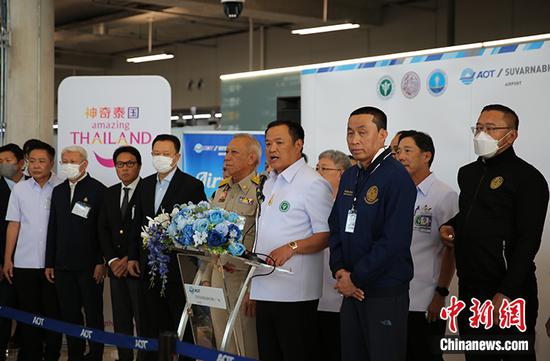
(199, 226)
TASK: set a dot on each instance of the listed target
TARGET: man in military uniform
(497, 231)
(237, 193)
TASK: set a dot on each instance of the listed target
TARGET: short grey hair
(340, 159)
(75, 149)
(253, 145)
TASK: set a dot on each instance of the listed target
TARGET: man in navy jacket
(370, 239)
(74, 261)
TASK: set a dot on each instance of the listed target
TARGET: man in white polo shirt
(293, 230)
(24, 258)
(434, 265)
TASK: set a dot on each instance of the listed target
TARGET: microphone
(260, 189)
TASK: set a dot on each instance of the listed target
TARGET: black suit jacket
(5, 193)
(182, 189)
(72, 242)
(115, 233)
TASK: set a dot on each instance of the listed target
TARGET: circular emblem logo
(496, 182)
(197, 148)
(385, 87)
(410, 84)
(372, 195)
(437, 82)
(467, 76)
(284, 206)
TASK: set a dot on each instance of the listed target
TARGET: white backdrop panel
(517, 76)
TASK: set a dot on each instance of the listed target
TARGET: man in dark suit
(160, 192)
(115, 225)
(73, 255)
(12, 161)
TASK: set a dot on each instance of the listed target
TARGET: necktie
(124, 205)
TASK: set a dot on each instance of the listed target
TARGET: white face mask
(71, 171)
(162, 164)
(486, 146)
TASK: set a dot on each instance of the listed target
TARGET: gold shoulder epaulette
(224, 182)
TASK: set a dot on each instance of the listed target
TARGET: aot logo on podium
(102, 113)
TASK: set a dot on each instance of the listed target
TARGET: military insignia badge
(245, 200)
(496, 182)
(224, 182)
(372, 195)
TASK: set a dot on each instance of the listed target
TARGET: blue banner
(115, 339)
(203, 154)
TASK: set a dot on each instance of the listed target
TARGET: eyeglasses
(323, 169)
(129, 164)
(486, 128)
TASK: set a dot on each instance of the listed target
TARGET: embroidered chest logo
(284, 206)
(497, 182)
(372, 195)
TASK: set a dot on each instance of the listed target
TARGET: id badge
(81, 209)
(350, 221)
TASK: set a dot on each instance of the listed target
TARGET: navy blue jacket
(377, 253)
(72, 243)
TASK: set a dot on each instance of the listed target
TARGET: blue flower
(222, 228)
(236, 249)
(216, 217)
(232, 217)
(188, 235)
(235, 234)
(172, 230)
(216, 239)
(180, 222)
(200, 225)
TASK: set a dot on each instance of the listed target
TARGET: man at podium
(237, 193)
(293, 230)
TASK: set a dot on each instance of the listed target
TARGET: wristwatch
(443, 291)
(293, 245)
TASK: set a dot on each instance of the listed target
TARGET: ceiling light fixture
(325, 29)
(150, 56)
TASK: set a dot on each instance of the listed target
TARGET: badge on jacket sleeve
(372, 195)
(496, 182)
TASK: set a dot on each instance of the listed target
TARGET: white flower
(163, 217)
(199, 238)
(174, 211)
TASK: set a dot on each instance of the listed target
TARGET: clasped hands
(345, 286)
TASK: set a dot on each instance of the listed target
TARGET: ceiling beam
(292, 11)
